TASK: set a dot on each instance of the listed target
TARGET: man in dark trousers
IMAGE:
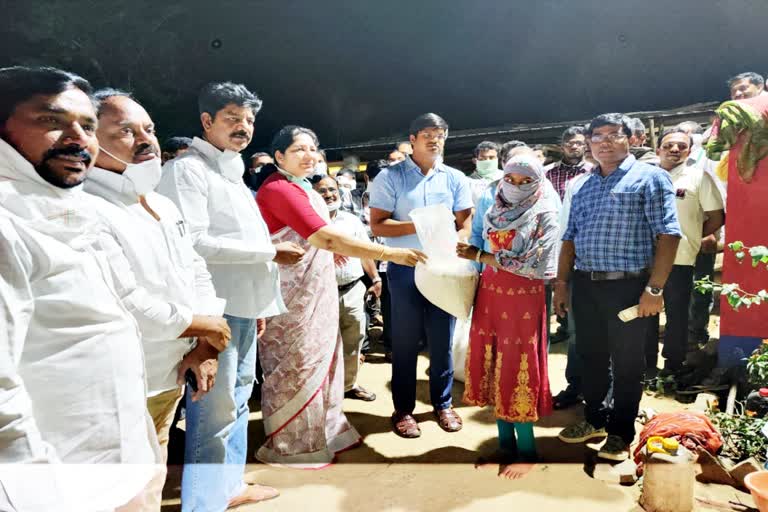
(622, 237)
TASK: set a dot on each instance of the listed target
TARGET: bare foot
(515, 471)
(498, 457)
(254, 493)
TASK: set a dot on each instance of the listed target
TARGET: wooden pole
(654, 139)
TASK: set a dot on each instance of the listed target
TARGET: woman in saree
(514, 236)
(301, 350)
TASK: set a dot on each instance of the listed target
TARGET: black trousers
(677, 299)
(604, 342)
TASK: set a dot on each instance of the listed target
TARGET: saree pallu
(506, 363)
(301, 355)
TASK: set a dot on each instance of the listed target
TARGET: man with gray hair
(637, 143)
(746, 85)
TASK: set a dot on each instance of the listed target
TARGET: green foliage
(742, 436)
(757, 366)
(732, 292)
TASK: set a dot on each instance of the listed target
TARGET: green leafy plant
(734, 294)
(757, 366)
(742, 434)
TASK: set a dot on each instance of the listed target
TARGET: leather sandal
(449, 420)
(405, 425)
(360, 393)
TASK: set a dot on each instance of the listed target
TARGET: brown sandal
(405, 425)
(449, 420)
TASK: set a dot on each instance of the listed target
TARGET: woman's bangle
(478, 255)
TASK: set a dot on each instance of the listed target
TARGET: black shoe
(565, 399)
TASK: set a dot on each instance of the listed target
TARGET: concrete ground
(436, 471)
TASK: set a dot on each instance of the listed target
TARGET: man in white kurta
(72, 384)
(158, 246)
(229, 233)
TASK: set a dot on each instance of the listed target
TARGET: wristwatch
(376, 280)
(656, 292)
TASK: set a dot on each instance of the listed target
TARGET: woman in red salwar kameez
(301, 350)
(515, 236)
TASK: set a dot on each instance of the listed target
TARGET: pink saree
(301, 354)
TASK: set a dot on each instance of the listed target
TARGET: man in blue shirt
(420, 180)
(622, 238)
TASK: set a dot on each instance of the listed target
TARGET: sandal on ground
(360, 393)
(449, 420)
(405, 425)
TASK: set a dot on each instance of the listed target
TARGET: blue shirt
(402, 188)
(614, 220)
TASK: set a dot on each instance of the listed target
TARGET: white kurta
(165, 265)
(227, 230)
(72, 384)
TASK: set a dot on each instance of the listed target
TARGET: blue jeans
(701, 303)
(413, 318)
(217, 426)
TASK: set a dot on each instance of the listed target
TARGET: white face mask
(348, 184)
(231, 165)
(143, 176)
(487, 168)
(321, 168)
(334, 206)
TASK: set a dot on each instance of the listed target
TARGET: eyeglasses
(681, 146)
(611, 137)
(575, 143)
(323, 190)
(434, 135)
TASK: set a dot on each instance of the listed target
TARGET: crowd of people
(134, 277)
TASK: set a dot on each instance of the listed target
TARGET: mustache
(145, 148)
(71, 150)
(240, 133)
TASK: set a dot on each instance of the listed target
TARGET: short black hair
(571, 132)
(691, 126)
(20, 83)
(174, 144)
(104, 94)
(486, 145)
(374, 167)
(425, 121)
(217, 95)
(676, 129)
(612, 119)
(287, 134)
(753, 78)
(507, 147)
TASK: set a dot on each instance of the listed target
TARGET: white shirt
(72, 385)
(350, 225)
(227, 230)
(478, 184)
(165, 264)
(696, 192)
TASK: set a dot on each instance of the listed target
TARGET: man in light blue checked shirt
(622, 238)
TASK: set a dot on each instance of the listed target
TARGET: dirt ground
(436, 471)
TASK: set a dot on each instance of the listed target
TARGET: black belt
(612, 276)
(346, 287)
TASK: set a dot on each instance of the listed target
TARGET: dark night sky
(358, 70)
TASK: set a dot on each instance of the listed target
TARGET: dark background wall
(362, 69)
